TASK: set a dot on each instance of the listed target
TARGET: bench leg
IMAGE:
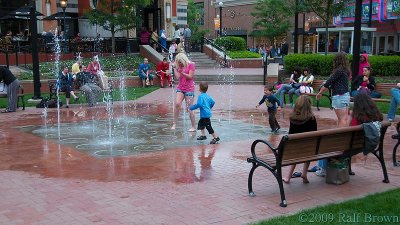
(382, 161)
(250, 180)
(350, 170)
(278, 177)
(23, 102)
(395, 163)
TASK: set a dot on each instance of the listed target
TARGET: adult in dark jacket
(66, 81)
(12, 84)
(365, 84)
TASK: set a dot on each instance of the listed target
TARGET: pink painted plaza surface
(44, 182)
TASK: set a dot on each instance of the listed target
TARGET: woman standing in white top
(177, 35)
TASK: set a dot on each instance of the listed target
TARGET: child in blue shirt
(270, 100)
(205, 103)
(144, 73)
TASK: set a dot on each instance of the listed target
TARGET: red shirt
(162, 66)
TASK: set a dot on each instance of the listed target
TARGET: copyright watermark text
(347, 218)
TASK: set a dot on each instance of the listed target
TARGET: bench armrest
(253, 146)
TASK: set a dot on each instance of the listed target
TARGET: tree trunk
(296, 28)
(328, 6)
(326, 39)
(113, 38)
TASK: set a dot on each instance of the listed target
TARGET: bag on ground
(337, 171)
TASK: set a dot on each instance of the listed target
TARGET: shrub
(243, 54)
(232, 43)
(322, 65)
(107, 64)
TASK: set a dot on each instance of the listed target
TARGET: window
(199, 19)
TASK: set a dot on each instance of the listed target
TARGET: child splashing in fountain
(205, 103)
(184, 72)
(270, 100)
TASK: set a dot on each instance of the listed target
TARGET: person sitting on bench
(305, 81)
(162, 70)
(65, 81)
(88, 86)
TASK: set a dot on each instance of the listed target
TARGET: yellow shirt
(75, 68)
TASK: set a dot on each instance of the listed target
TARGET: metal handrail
(159, 44)
(219, 48)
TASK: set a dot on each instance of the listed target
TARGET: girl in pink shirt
(184, 72)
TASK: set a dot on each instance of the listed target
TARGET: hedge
(322, 65)
(243, 54)
(231, 43)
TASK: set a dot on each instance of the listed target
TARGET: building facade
(161, 14)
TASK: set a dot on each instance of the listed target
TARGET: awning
(21, 13)
(300, 31)
(235, 32)
(60, 16)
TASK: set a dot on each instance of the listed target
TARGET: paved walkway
(43, 182)
(236, 71)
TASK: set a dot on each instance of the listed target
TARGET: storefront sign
(391, 7)
(378, 12)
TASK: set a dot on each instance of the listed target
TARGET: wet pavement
(51, 181)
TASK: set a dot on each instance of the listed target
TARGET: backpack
(42, 103)
(372, 133)
(49, 103)
(52, 103)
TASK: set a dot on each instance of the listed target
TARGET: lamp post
(63, 4)
(220, 18)
(35, 54)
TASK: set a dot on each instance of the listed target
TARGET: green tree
(325, 9)
(116, 15)
(194, 13)
(272, 18)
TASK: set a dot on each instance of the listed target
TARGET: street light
(63, 4)
(35, 54)
(220, 18)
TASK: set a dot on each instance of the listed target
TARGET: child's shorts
(205, 123)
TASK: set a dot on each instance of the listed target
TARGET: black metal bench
(311, 146)
(20, 97)
(397, 137)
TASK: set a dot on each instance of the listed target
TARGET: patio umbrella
(60, 16)
(21, 13)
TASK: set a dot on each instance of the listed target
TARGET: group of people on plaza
(275, 50)
(88, 80)
(182, 69)
(180, 40)
(302, 118)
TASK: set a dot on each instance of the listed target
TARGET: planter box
(236, 63)
(129, 82)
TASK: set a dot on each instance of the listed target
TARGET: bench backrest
(325, 142)
(384, 88)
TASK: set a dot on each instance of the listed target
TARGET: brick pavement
(42, 182)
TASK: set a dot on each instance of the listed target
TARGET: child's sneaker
(200, 138)
(214, 140)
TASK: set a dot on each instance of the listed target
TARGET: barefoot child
(205, 103)
(270, 100)
(302, 119)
